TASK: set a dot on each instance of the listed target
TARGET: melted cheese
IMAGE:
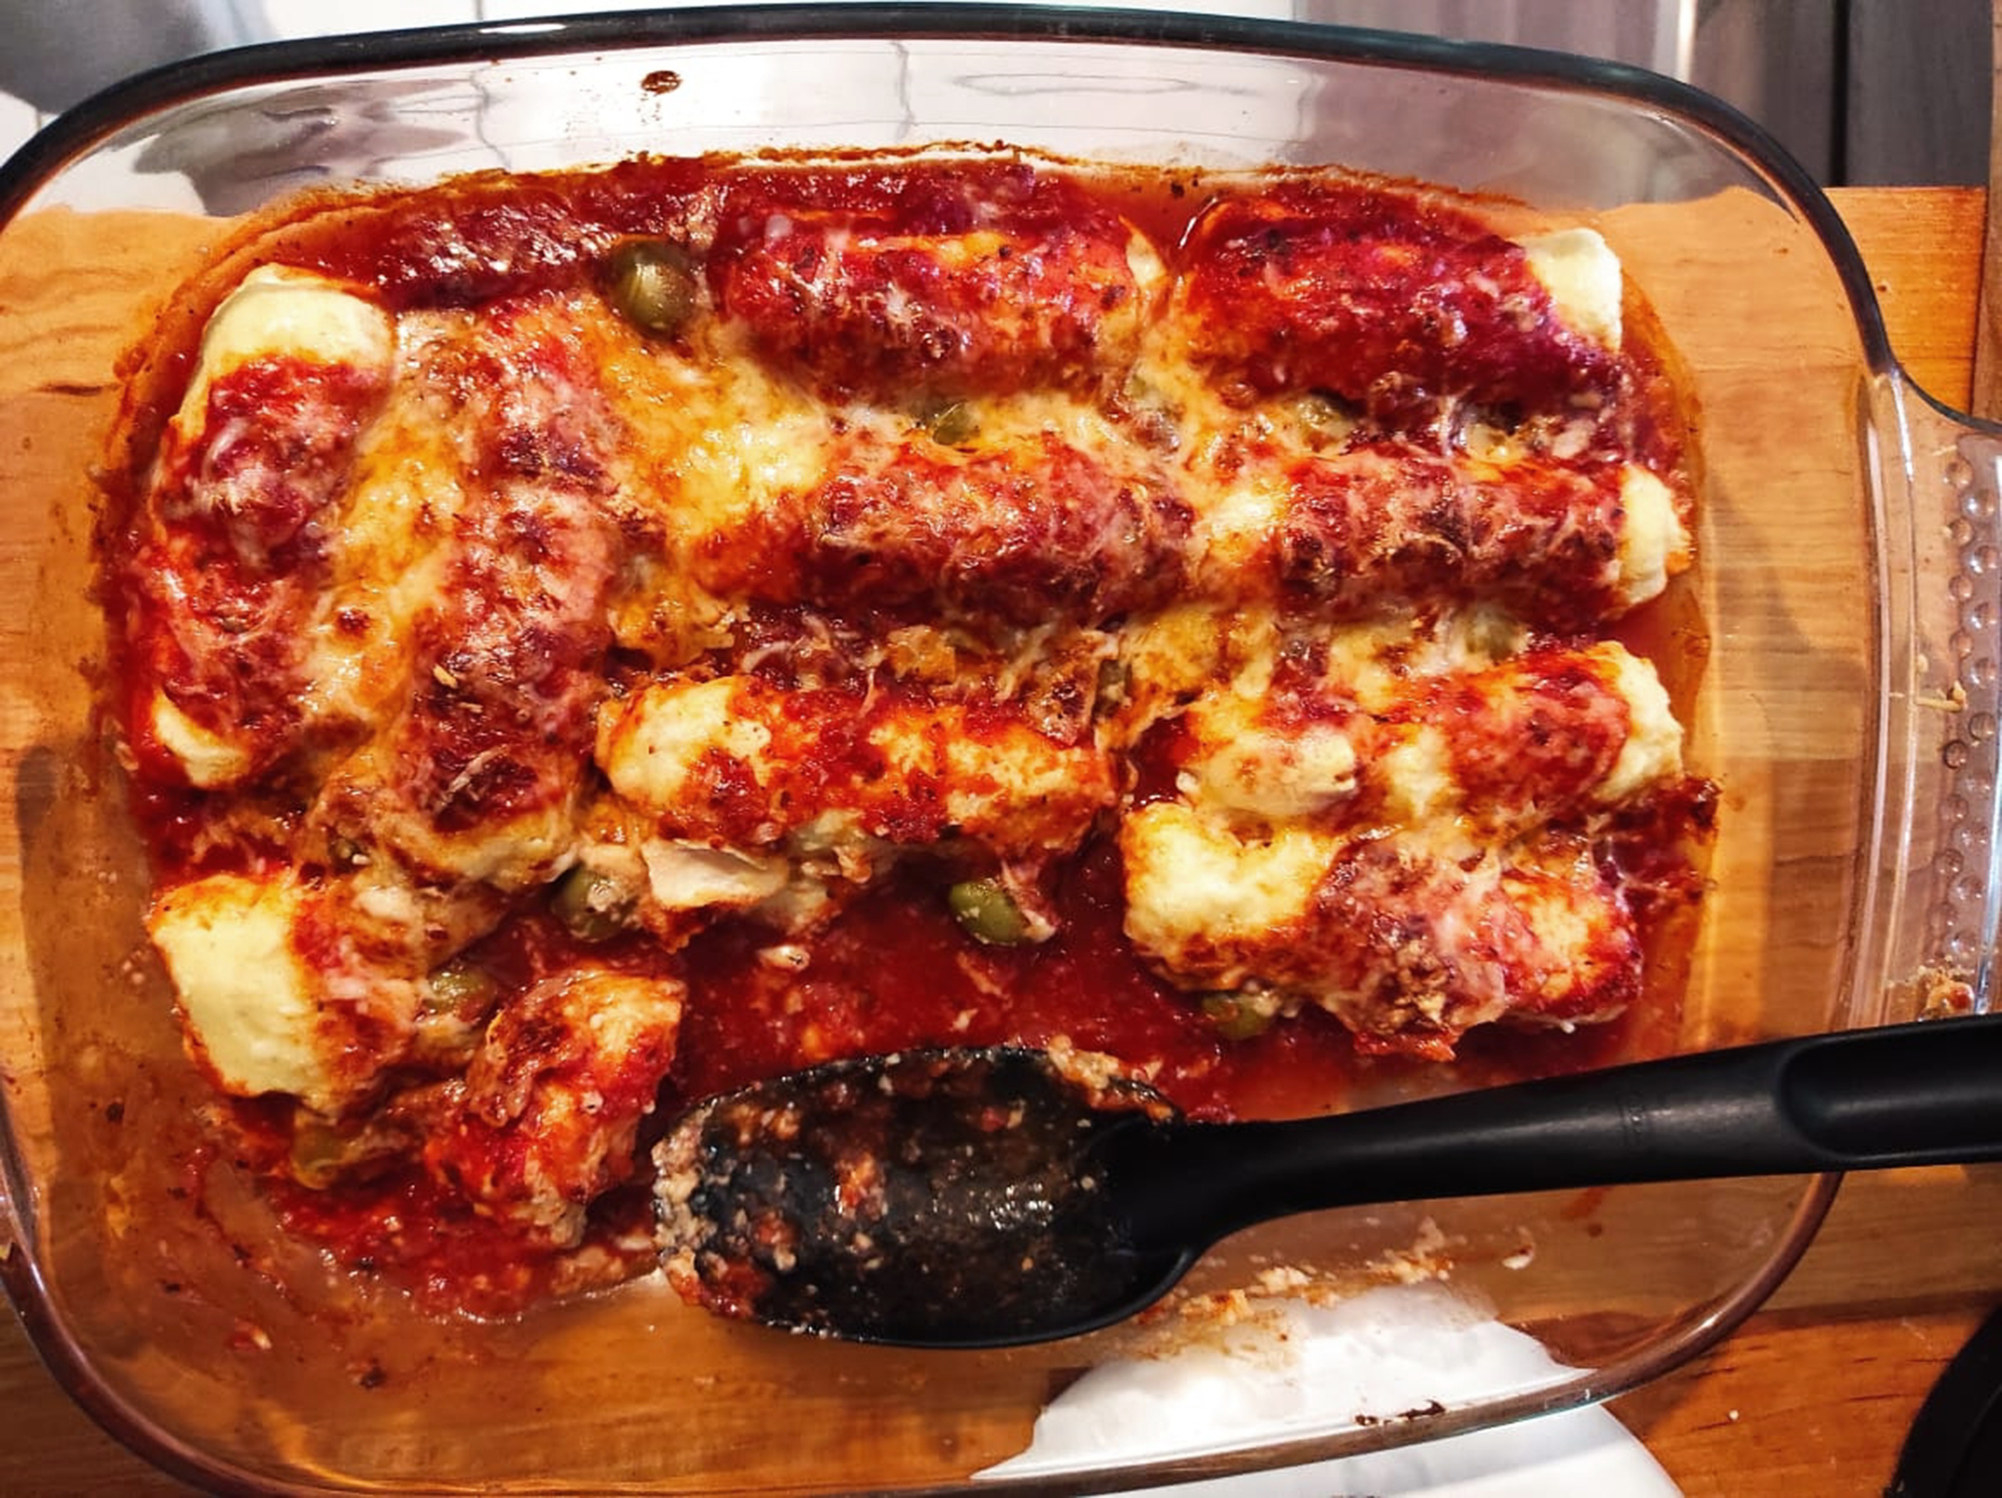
(1420, 788)
(1013, 419)
(1378, 662)
(1169, 657)
(1237, 522)
(1242, 764)
(389, 569)
(749, 438)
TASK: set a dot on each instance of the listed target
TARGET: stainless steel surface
(56, 55)
(1861, 91)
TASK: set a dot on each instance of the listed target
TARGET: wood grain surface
(1985, 396)
(1813, 1395)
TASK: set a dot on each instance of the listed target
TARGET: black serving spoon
(982, 1198)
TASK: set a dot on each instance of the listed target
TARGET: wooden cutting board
(1813, 1395)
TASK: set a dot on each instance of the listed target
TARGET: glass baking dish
(1845, 701)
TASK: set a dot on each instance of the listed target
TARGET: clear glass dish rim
(75, 132)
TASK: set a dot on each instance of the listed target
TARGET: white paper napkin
(1295, 1369)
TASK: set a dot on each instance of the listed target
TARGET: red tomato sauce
(893, 970)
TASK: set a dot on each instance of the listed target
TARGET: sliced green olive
(987, 912)
(1114, 676)
(592, 905)
(345, 853)
(459, 988)
(652, 285)
(1155, 420)
(318, 1152)
(323, 1152)
(1236, 1016)
(1326, 416)
(953, 425)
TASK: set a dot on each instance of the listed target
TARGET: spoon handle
(1917, 1094)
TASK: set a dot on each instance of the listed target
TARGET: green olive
(593, 905)
(1326, 417)
(1155, 420)
(344, 852)
(1235, 1016)
(1114, 677)
(459, 988)
(323, 1152)
(652, 284)
(952, 425)
(987, 912)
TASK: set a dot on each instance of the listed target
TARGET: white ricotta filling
(277, 311)
(689, 876)
(1653, 749)
(247, 996)
(1188, 878)
(1419, 785)
(649, 747)
(1654, 544)
(207, 759)
(1582, 274)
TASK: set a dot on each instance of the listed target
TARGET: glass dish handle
(1939, 824)
(14, 1202)
(13, 1231)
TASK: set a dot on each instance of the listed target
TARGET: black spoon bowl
(986, 1198)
